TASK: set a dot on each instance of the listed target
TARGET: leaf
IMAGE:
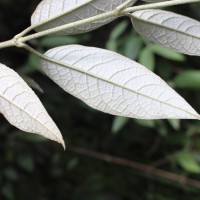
(11, 174)
(114, 84)
(34, 138)
(112, 43)
(133, 46)
(187, 161)
(118, 124)
(118, 30)
(54, 13)
(147, 58)
(32, 65)
(8, 191)
(146, 123)
(22, 108)
(167, 53)
(188, 79)
(53, 41)
(26, 163)
(176, 32)
(175, 123)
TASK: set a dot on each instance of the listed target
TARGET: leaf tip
(61, 141)
(198, 117)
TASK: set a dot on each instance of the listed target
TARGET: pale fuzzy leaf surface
(114, 84)
(174, 31)
(22, 108)
(53, 13)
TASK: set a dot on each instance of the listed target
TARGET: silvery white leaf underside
(22, 108)
(114, 84)
(54, 13)
(174, 31)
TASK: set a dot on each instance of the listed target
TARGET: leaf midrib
(164, 26)
(11, 102)
(116, 84)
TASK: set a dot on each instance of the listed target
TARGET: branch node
(18, 42)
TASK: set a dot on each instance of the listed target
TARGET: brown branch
(136, 165)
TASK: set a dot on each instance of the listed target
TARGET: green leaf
(34, 62)
(187, 161)
(33, 138)
(145, 123)
(118, 30)
(133, 46)
(53, 41)
(10, 173)
(175, 123)
(167, 53)
(147, 58)
(72, 163)
(118, 124)
(188, 79)
(26, 163)
(111, 45)
(8, 191)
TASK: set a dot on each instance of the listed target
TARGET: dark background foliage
(34, 168)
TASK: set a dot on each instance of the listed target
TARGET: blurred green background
(34, 168)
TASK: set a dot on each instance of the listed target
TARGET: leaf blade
(167, 53)
(53, 13)
(118, 124)
(171, 30)
(147, 58)
(23, 109)
(187, 161)
(114, 84)
(188, 79)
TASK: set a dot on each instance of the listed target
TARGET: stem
(157, 5)
(124, 5)
(12, 42)
(44, 57)
(24, 32)
(8, 43)
(110, 14)
(37, 53)
(143, 168)
(19, 40)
